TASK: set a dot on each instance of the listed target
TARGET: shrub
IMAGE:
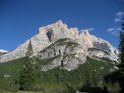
(113, 88)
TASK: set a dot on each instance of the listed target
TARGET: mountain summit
(90, 45)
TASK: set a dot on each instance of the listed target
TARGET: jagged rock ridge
(93, 46)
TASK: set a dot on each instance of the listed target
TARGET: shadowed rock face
(102, 46)
(49, 34)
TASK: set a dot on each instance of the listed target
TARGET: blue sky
(20, 19)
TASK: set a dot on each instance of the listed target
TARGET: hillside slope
(56, 79)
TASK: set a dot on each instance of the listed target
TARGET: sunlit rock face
(64, 53)
(58, 30)
(98, 45)
(47, 35)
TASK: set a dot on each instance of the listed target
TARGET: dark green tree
(88, 79)
(26, 78)
(121, 48)
(95, 78)
(29, 49)
(115, 81)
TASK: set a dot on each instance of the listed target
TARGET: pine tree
(113, 87)
(95, 78)
(88, 76)
(26, 78)
(29, 49)
(121, 48)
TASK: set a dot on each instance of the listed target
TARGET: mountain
(64, 53)
(3, 51)
(60, 59)
(87, 44)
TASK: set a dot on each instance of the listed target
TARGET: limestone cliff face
(49, 34)
(58, 30)
(98, 47)
(64, 53)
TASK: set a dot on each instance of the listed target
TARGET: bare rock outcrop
(49, 34)
(64, 53)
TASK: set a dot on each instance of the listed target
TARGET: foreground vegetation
(56, 80)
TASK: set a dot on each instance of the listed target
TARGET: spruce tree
(121, 66)
(29, 49)
(122, 49)
(121, 46)
(26, 78)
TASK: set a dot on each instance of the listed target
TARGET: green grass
(55, 80)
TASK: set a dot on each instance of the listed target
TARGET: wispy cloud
(117, 20)
(91, 29)
(114, 31)
(120, 14)
(110, 29)
(119, 29)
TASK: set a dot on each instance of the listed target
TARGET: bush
(113, 88)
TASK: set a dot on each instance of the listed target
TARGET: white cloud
(90, 29)
(114, 31)
(120, 14)
(119, 29)
(117, 20)
(110, 29)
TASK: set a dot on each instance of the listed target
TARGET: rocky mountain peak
(86, 32)
(60, 23)
(51, 33)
